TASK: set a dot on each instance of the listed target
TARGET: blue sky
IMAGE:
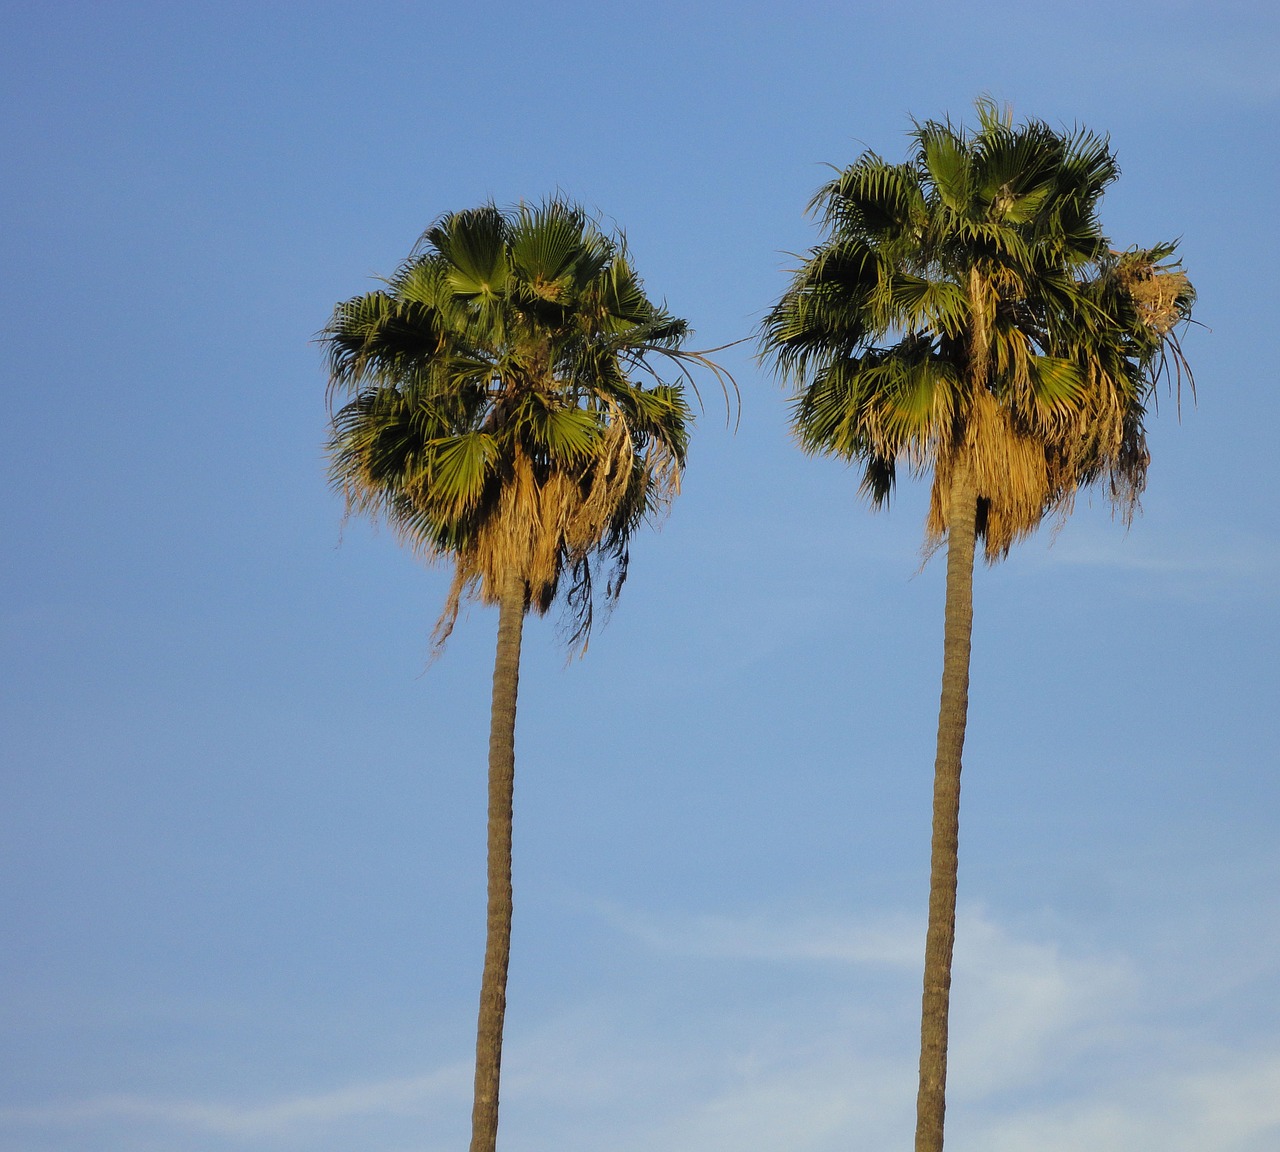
(241, 821)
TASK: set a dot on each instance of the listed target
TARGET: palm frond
(474, 244)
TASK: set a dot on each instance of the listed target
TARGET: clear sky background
(242, 822)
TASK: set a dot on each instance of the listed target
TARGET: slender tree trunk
(497, 949)
(952, 713)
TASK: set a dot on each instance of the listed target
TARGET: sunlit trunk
(944, 858)
(497, 952)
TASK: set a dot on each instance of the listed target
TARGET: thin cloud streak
(1234, 1107)
(401, 1096)
(1049, 1052)
(1233, 560)
(894, 942)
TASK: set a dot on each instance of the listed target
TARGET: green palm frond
(474, 245)
(567, 436)
(1057, 385)
(555, 250)
(947, 164)
(873, 200)
(918, 303)
(456, 472)
(623, 306)
(377, 337)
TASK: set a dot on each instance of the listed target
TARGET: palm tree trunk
(944, 859)
(497, 949)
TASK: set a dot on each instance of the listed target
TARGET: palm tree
(966, 316)
(495, 421)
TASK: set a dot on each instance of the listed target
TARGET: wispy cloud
(893, 942)
(290, 1114)
(1052, 1050)
(1014, 997)
(1223, 561)
(1233, 1107)
(1022, 1006)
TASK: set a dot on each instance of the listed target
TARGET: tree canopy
(505, 408)
(966, 305)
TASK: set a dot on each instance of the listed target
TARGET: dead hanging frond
(525, 532)
(1162, 297)
(1105, 443)
(462, 587)
(603, 489)
(564, 530)
(1010, 475)
(1159, 292)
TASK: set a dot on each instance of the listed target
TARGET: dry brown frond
(1105, 440)
(452, 606)
(1010, 474)
(550, 520)
(1021, 475)
(1155, 291)
(610, 480)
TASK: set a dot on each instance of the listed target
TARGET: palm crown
(967, 308)
(493, 415)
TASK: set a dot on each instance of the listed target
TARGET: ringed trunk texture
(944, 856)
(497, 950)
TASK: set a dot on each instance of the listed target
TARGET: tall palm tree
(495, 420)
(966, 316)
